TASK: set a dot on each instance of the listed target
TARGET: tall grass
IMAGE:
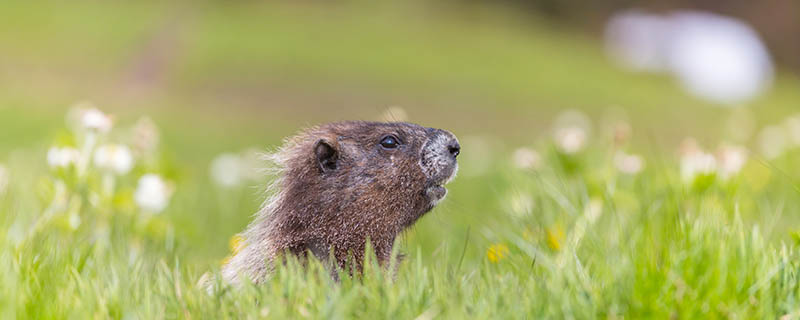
(574, 238)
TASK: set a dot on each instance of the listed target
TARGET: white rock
(718, 58)
(715, 57)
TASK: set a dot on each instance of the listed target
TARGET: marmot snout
(343, 183)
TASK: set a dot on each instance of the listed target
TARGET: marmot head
(369, 172)
(345, 182)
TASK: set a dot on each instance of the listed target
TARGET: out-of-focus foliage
(584, 191)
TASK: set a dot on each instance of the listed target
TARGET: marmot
(340, 184)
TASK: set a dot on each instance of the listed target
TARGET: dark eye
(390, 142)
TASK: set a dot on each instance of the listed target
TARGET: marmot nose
(454, 148)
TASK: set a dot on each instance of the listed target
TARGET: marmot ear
(327, 157)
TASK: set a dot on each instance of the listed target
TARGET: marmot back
(342, 183)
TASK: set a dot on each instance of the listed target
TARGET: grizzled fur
(339, 186)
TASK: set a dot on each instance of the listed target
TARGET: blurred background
(229, 77)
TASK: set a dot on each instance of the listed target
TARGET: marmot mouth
(436, 190)
(436, 193)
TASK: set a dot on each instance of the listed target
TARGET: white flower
(62, 157)
(571, 131)
(152, 193)
(226, 170)
(731, 159)
(773, 141)
(96, 120)
(3, 179)
(697, 163)
(114, 157)
(570, 139)
(628, 163)
(526, 158)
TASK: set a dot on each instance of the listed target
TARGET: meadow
(584, 191)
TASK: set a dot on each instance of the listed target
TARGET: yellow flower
(236, 244)
(496, 252)
(554, 236)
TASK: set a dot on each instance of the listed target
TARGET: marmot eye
(390, 142)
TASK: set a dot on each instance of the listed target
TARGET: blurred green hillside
(263, 70)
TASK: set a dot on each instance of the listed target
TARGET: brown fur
(338, 186)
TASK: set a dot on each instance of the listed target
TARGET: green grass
(578, 238)
(591, 243)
